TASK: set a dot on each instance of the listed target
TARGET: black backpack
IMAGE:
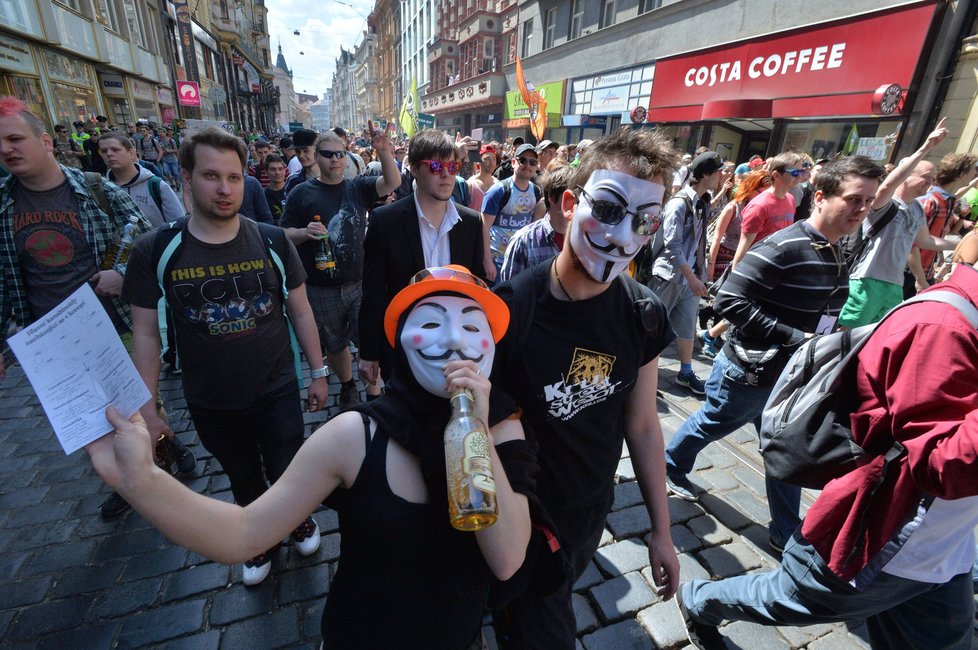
(167, 243)
(508, 191)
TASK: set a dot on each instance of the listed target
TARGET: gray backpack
(806, 432)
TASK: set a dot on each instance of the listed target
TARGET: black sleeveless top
(406, 578)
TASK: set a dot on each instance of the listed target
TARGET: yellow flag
(408, 118)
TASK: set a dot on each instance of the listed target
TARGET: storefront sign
(164, 96)
(607, 101)
(252, 75)
(616, 79)
(16, 55)
(872, 148)
(887, 99)
(141, 90)
(552, 92)
(587, 121)
(830, 69)
(185, 33)
(188, 93)
(113, 85)
(426, 121)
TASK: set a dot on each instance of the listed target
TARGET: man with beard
(340, 205)
(228, 305)
(590, 381)
(423, 230)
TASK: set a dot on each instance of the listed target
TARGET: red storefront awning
(829, 69)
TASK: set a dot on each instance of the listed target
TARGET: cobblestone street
(68, 579)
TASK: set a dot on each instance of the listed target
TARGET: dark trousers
(254, 443)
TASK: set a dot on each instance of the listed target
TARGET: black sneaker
(692, 382)
(680, 486)
(349, 396)
(701, 635)
(114, 506)
(186, 461)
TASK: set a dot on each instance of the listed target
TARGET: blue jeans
(731, 403)
(171, 169)
(899, 613)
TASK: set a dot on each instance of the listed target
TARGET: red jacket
(918, 378)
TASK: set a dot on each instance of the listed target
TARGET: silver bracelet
(319, 373)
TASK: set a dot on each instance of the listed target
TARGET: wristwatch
(319, 373)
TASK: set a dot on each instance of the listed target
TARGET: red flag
(534, 101)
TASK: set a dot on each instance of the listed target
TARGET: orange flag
(534, 101)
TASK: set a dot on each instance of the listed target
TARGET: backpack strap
(96, 186)
(155, 194)
(276, 245)
(507, 192)
(167, 242)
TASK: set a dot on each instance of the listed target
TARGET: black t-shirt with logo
(226, 301)
(573, 387)
(276, 201)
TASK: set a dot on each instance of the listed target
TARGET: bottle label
(476, 461)
(322, 265)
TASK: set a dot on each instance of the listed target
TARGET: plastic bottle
(117, 252)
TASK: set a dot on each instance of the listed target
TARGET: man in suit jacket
(422, 230)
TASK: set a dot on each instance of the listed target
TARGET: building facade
(344, 91)
(322, 113)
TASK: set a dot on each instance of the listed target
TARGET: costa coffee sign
(829, 69)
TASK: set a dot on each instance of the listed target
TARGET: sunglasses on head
(795, 173)
(444, 273)
(325, 153)
(438, 166)
(532, 162)
(611, 213)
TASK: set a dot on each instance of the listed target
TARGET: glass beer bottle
(468, 464)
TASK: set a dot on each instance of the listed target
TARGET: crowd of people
(547, 280)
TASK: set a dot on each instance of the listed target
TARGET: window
(648, 5)
(74, 5)
(549, 25)
(107, 13)
(577, 18)
(135, 22)
(527, 35)
(607, 14)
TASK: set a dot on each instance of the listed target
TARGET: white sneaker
(306, 537)
(255, 570)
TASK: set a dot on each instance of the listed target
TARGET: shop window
(73, 103)
(28, 90)
(577, 18)
(607, 14)
(549, 27)
(874, 138)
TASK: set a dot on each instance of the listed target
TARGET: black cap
(517, 141)
(76, 124)
(705, 164)
(304, 138)
(523, 148)
(285, 142)
(101, 118)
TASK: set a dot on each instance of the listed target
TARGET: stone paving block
(752, 479)
(743, 436)
(83, 579)
(690, 569)
(219, 483)
(589, 578)
(24, 592)
(859, 634)
(124, 599)
(162, 623)
(11, 563)
(684, 540)
(209, 640)
(620, 558)
(22, 497)
(71, 491)
(128, 544)
(800, 636)
(50, 616)
(625, 471)
(5, 618)
(329, 548)
(60, 557)
(725, 513)
(837, 639)
(304, 584)
(622, 596)
(626, 495)
(629, 522)
(755, 509)
(50, 476)
(328, 520)
(709, 530)
(720, 480)
(96, 636)
(276, 629)
(18, 478)
(627, 635)
(154, 563)
(758, 537)
(729, 560)
(664, 624)
(311, 619)
(583, 614)
(238, 601)
(702, 463)
(753, 636)
(195, 580)
(681, 511)
(606, 538)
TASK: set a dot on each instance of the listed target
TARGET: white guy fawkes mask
(443, 328)
(603, 249)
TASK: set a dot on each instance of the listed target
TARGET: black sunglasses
(325, 153)
(611, 213)
(532, 162)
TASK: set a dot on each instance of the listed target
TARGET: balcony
(482, 90)
(442, 47)
(479, 23)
